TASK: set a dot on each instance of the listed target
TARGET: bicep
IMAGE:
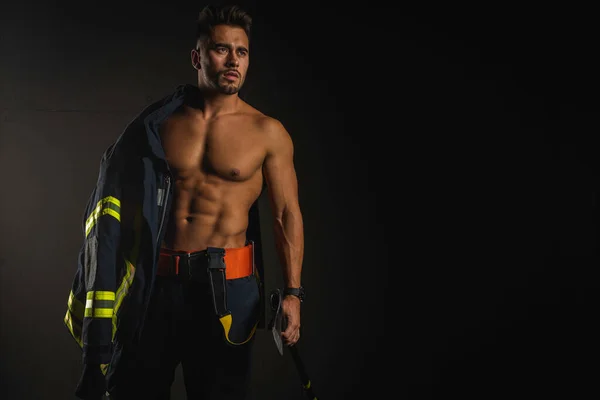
(280, 172)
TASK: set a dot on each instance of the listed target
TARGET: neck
(214, 103)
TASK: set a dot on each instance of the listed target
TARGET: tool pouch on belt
(236, 301)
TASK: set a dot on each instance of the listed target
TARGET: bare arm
(282, 185)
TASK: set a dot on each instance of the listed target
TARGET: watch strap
(298, 292)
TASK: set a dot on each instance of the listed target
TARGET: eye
(222, 49)
(242, 53)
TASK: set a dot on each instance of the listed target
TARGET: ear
(195, 55)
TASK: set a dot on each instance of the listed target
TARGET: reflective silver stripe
(160, 197)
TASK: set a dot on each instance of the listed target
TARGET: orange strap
(238, 262)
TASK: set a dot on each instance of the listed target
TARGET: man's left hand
(290, 308)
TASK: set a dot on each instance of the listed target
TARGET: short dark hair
(212, 15)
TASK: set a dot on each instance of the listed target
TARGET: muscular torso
(217, 170)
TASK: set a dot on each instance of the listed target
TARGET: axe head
(276, 323)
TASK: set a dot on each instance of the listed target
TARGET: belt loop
(177, 258)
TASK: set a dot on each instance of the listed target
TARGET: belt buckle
(215, 259)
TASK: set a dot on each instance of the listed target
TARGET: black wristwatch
(298, 292)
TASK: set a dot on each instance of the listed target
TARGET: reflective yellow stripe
(122, 292)
(99, 312)
(74, 317)
(125, 284)
(75, 306)
(130, 264)
(226, 321)
(99, 304)
(107, 206)
(100, 295)
(74, 327)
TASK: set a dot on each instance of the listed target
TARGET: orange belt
(238, 261)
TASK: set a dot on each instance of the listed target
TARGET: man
(167, 271)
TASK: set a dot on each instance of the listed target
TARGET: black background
(446, 159)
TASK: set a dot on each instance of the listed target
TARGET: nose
(232, 60)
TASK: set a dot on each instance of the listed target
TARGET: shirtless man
(220, 151)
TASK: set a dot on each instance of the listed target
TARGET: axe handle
(306, 383)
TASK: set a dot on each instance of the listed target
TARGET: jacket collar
(162, 110)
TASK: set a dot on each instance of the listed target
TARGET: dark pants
(182, 327)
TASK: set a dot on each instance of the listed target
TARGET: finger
(291, 329)
(292, 338)
(296, 338)
(289, 332)
(288, 337)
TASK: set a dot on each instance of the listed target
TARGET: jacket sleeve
(99, 261)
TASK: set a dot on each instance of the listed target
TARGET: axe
(277, 325)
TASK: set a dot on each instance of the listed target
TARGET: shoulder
(278, 139)
(272, 129)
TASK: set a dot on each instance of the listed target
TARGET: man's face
(224, 59)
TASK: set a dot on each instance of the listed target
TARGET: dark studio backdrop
(447, 168)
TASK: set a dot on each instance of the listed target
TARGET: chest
(229, 149)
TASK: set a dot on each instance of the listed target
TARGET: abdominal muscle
(208, 211)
